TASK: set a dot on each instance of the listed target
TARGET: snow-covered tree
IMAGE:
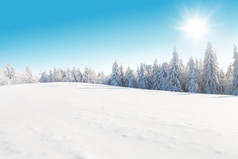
(199, 66)
(149, 74)
(101, 79)
(116, 79)
(235, 73)
(174, 74)
(80, 76)
(130, 80)
(58, 76)
(85, 78)
(28, 76)
(155, 78)
(228, 79)
(10, 73)
(221, 78)
(67, 76)
(74, 75)
(143, 78)
(184, 72)
(210, 71)
(4, 80)
(51, 76)
(192, 84)
(121, 73)
(163, 76)
(44, 77)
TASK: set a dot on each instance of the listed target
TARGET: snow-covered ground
(84, 121)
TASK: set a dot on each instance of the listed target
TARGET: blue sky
(65, 33)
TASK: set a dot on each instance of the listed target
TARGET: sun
(195, 28)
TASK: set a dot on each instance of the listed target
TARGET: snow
(86, 121)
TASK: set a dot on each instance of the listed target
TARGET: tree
(10, 73)
(130, 80)
(221, 78)
(228, 79)
(51, 76)
(143, 79)
(44, 77)
(174, 74)
(199, 66)
(210, 71)
(121, 73)
(85, 78)
(149, 75)
(28, 77)
(101, 79)
(116, 79)
(235, 73)
(80, 76)
(163, 76)
(192, 84)
(74, 75)
(155, 78)
(67, 76)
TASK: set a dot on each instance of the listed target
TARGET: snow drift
(84, 121)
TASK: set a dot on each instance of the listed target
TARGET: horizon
(62, 34)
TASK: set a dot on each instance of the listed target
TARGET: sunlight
(195, 28)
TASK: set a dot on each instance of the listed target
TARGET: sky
(65, 33)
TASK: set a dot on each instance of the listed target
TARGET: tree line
(9, 76)
(198, 76)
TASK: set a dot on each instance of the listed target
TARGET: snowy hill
(84, 121)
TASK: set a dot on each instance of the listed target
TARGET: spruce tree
(116, 79)
(174, 74)
(210, 71)
(192, 84)
(163, 76)
(235, 73)
(155, 78)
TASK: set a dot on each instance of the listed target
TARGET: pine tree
(121, 73)
(163, 77)
(101, 79)
(44, 77)
(199, 66)
(174, 74)
(192, 84)
(155, 78)
(210, 71)
(79, 76)
(235, 73)
(149, 75)
(130, 80)
(51, 76)
(74, 75)
(221, 78)
(91, 75)
(143, 79)
(85, 78)
(67, 76)
(228, 79)
(29, 76)
(10, 73)
(116, 79)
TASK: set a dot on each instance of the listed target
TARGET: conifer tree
(210, 71)
(163, 76)
(116, 79)
(192, 84)
(155, 78)
(235, 73)
(228, 79)
(130, 80)
(175, 74)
